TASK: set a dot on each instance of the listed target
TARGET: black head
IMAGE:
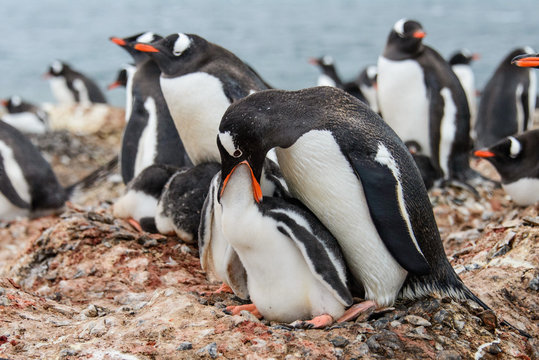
(128, 43)
(13, 104)
(58, 68)
(526, 60)
(326, 63)
(175, 52)
(406, 38)
(369, 76)
(464, 57)
(121, 80)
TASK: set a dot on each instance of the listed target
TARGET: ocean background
(275, 37)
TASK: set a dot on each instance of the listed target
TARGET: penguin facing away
(516, 158)
(25, 117)
(421, 98)
(275, 238)
(363, 187)
(507, 103)
(70, 87)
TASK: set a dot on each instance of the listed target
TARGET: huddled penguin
(330, 77)
(421, 98)
(516, 158)
(179, 207)
(150, 136)
(507, 102)
(71, 87)
(275, 238)
(460, 63)
(139, 202)
(26, 117)
(367, 82)
(363, 186)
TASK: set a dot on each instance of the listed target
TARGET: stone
(210, 349)
(448, 355)
(534, 283)
(339, 341)
(417, 320)
(185, 346)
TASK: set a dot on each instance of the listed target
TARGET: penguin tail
(94, 177)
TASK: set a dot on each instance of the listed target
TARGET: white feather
(61, 92)
(515, 148)
(182, 43)
(26, 122)
(324, 80)
(135, 204)
(130, 70)
(524, 191)
(448, 130)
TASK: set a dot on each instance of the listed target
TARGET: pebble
(211, 349)
(2, 291)
(443, 317)
(448, 355)
(4, 301)
(534, 283)
(384, 340)
(185, 346)
(339, 341)
(380, 324)
(417, 320)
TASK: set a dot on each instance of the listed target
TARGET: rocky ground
(85, 285)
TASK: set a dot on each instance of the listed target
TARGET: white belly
(402, 97)
(25, 122)
(325, 182)
(524, 192)
(147, 146)
(196, 103)
(136, 205)
(61, 92)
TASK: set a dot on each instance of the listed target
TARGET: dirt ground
(84, 285)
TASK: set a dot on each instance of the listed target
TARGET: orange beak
(145, 48)
(476, 56)
(257, 191)
(118, 41)
(484, 153)
(313, 61)
(419, 34)
(113, 85)
(531, 61)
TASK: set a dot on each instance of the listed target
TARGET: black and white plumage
(200, 80)
(121, 77)
(428, 171)
(354, 173)
(421, 98)
(71, 87)
(24, 116)
(516, 158)
(180, 205)
(368, 84)
(507, 102)
(283, 248)
(150, 136)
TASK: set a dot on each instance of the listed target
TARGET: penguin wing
(206, 220)
(7, 189)
(387, 207)
(325, 264)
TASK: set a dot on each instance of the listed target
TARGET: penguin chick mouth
(257, 191)
(118, 41)
(484, 153)
(525, 61)
(145, 48)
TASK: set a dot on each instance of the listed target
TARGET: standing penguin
(71, 87)
(460, 63)
(507, 103)
(421, 98)
(150, 136)
(24, 116)
(354, 173)
(516, 158)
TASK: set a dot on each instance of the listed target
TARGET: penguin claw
(355, 310)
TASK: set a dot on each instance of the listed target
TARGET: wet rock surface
(87, 285)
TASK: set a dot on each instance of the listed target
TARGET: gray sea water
(275, 37)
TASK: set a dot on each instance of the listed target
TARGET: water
(275, 37)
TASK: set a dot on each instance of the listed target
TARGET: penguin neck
(238, 195)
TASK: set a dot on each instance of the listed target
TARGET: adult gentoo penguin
(421, 98)
(200, 80)
(283, 248)
(460, 63)
(516, 158)
(354, 173)
(150, 136)
(507, 103)
(24, 116)
(71, 87)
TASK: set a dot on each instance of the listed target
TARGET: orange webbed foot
(355, 310)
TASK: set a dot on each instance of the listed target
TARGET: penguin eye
(177, 53)
(237, 153)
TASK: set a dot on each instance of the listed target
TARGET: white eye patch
(227, 142)
(182, 43)
(515, 148)
(57, 66)
(399, 27)
(147, 37)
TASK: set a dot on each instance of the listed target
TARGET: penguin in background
(150, 136)
(330, 77)
(460, 63)
(122, 76)
(367, 82)
(70, 87)
(507, 103)
(26, 117)
(428, 171)
(516, 158)
(421, 98)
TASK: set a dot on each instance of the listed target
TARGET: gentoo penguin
(460, 63)
(367, 82)
(330, 77)
(354, 173)
(421, 98)
(121, 78)
(150, 136)
(179, 207)
(200, 80)
(526, 60)
(71, 87)
(139, 201)
(283, 247)
(428, 171)
(516, 158)
(507, 103)
(24, 116)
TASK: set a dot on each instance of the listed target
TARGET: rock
(534, 283)
(185, 346)
(210, 349)
(2, 291)
(339, 341)
(417, 320)
(443, 317)
(384, 342)
(380, 324)
(448, 355)
(248, 316)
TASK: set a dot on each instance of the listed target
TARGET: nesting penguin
(71, 87)
(150, 136)
(507, 102)
(26, 117)
(421, 98)
(354, 173)
(283, 247)
(516, 158)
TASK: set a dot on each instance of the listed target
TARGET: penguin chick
(25, 117)
(428, 171)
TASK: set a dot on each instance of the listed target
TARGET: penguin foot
(316, 322)
(134, 223)
(224, 288)
(356, 309)
(236, 309)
